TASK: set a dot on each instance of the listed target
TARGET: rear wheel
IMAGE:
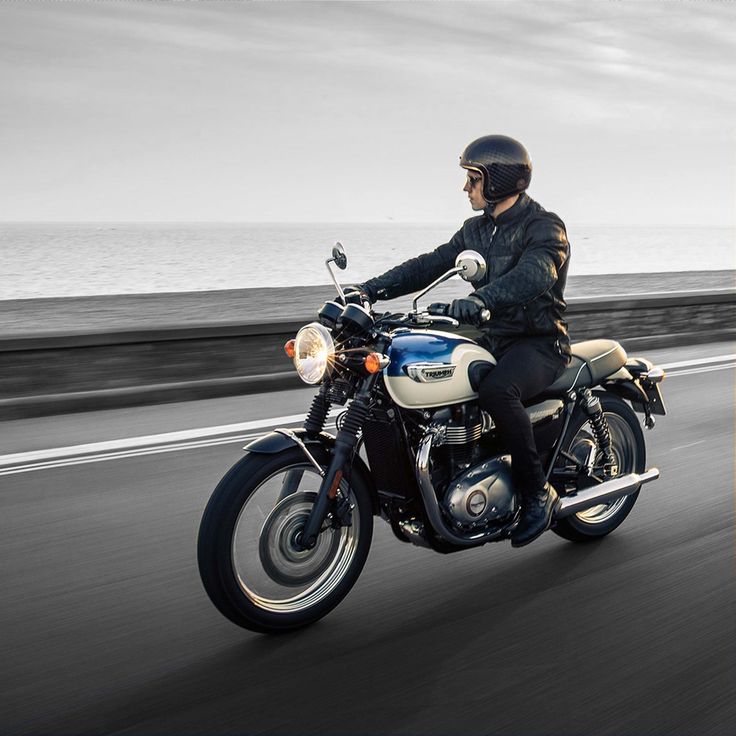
(250, 563)
(579, 449)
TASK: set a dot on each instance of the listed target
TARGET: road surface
(106, 628)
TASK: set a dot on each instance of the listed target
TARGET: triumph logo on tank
(429, 373)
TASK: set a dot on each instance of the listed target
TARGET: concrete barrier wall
(53, 373)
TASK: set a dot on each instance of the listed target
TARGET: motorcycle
(287, 530)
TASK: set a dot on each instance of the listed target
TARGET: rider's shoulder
(535, 211)
(543, 222)
(473, 223)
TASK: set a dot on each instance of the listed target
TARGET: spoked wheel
(580, 452)
(250, 560)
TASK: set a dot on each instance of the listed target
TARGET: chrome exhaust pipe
(604, 493)
(441, 528)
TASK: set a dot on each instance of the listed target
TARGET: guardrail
(55, 373)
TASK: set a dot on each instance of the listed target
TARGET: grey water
(82, 259)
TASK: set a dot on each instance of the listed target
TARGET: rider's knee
(497, 394)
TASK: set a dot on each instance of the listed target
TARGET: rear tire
(629, 449)
(250, 568)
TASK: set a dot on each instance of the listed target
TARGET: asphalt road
(105, 626)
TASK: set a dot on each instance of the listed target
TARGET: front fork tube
(345, 443)
(291, 482)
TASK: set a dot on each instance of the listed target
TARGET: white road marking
(703, 369)
(638, 294)
(698, 361)
(188, 439)
(145, 445)
(97, 458)
(689, 444)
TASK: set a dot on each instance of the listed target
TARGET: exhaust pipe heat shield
(604, 493)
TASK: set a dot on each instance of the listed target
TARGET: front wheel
(579, 449)
(249, 562)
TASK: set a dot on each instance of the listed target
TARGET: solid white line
(153, 440)
(188, 439)
(98, 458)
(704, 369)
(698, 361)
(635, 294)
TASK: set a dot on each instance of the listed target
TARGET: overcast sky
(280, 111)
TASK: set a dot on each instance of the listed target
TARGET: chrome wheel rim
(623, 445)
(270, 569)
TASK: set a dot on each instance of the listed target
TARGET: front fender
(275, 442)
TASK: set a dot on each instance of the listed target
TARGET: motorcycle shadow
(431, 638)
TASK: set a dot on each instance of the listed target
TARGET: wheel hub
(585, 451)
(283, 559)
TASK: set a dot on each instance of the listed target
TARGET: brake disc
(282, 560)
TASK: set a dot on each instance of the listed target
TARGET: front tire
(629, 450)
(250, 567)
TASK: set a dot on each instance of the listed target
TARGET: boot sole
(555, 508)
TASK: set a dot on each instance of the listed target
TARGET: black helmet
(503, 163)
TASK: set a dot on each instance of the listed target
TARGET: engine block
(483, 495)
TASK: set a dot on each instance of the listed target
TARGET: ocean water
(70, 259)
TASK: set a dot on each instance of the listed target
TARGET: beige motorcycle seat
(592, 361)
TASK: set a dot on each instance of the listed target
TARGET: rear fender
(275, 442)
(629, 390)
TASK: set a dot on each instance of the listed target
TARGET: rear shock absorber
(591, 405)
(318, 411)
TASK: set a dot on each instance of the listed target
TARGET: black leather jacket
(527, 254)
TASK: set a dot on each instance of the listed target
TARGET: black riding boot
(537, 512)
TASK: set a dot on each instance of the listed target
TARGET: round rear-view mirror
(472, 265)
(338, 255)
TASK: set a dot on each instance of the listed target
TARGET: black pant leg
(525, 369)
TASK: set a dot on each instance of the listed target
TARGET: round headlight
(313, 352)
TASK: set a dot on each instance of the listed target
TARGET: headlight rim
(329, 350)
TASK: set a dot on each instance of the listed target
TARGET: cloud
(169, 110)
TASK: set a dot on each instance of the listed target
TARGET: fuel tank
(430, 368)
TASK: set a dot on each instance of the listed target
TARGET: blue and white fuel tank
(430, 368)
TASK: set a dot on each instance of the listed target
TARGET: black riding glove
(357, 294)
(466, 310)
(439, 309)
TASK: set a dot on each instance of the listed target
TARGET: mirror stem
(442, 278)
(334, 280)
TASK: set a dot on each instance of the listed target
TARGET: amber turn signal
(375, 362)
(289, 348)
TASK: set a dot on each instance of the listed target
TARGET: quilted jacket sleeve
(546, 250)
(416, 273)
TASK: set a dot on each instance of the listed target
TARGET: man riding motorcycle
(527, 253)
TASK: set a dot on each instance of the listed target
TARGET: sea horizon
(55, 259)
